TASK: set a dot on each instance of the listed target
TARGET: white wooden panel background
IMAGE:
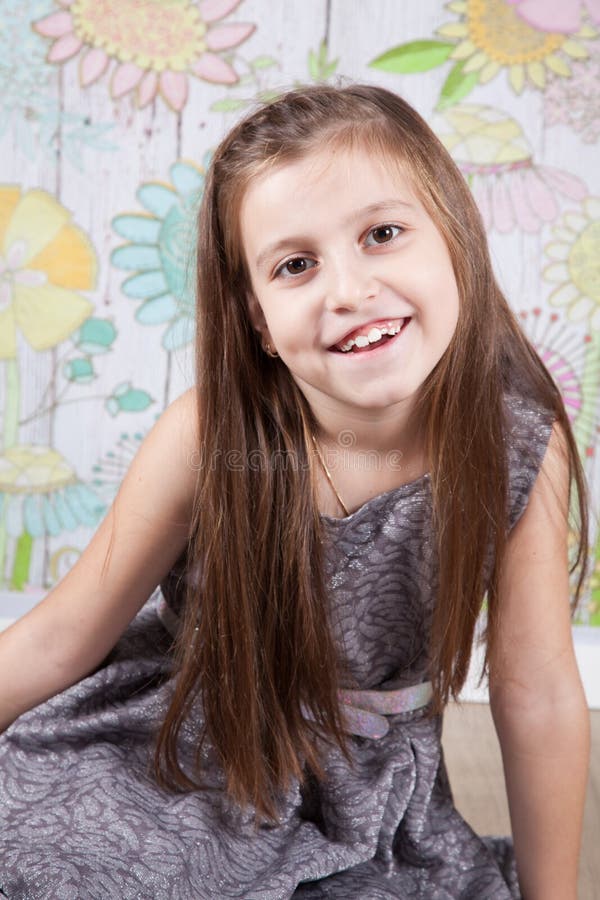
(103, 185)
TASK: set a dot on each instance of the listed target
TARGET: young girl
(372, 447)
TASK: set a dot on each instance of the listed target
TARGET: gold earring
(270, 350)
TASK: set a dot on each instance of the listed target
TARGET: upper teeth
(373, 335)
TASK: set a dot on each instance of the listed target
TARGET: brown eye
(297, 265)
(383, 234)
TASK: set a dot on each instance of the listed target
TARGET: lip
(365, 327)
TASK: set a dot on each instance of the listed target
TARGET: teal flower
(161, 252)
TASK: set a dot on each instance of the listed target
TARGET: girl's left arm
(536, 696)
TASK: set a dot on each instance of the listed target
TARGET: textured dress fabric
(81, 817)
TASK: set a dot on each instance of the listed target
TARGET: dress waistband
(364, 712)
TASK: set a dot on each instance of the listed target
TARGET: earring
(270, 350)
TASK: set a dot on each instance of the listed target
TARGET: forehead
(324, 186)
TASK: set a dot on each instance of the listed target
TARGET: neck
(366, 455)
(381, 431)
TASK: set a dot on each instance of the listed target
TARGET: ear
(256, 316)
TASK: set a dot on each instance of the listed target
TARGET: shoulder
(530, 428)
(161, 478)
(182, 414)
(169, 450)
(177, 426)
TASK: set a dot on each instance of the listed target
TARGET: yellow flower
(575, 263)
(40, 493)
(44, 262)
(492, 36)
(29, 468)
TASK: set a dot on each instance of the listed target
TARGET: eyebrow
(381, 206)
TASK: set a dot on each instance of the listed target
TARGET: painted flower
(154, 46)
(492, 35)
(551, 340)
(575, 263)
(573, 360)
(45, 261)
(161, 252)
(40, 495)
(511, 190)
(561, 16)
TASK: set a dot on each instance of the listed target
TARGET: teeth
(374, 335)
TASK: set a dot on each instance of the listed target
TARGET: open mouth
(363, 341)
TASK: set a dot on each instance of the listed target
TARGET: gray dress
(80, 816)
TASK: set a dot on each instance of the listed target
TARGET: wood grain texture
(475, 769)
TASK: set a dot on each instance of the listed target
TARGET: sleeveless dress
(80, 816)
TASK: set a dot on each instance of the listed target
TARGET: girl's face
(352, 282)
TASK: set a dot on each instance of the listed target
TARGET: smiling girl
(405, 456)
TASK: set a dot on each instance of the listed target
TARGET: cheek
(445, 282)
(292, 320)
(442, 298)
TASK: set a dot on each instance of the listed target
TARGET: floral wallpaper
(109, 111)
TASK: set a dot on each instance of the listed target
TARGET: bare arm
(536, 695)
(69, 633)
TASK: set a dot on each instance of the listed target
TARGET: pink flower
(521, 195)
(154, 46)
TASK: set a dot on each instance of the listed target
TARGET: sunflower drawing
(489, 37)
(155, 47)
(574, 263)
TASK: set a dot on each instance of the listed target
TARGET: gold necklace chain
(328, 475)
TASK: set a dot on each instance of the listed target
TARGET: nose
(350, 282)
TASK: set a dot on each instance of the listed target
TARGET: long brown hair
(256, 647)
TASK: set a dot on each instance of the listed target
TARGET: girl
(373, 446)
